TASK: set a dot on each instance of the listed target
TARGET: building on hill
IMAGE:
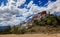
(39, 15)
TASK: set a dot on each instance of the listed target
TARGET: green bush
(49, 19)
(49, 22)
(6, 30)
(55, 23)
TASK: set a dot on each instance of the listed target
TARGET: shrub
(6, 30)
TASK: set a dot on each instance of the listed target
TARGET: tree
(6, 30)
(58, 17)
(50, 19)
(14, 30)
(55, 23)
(49, 22)
(36, 22)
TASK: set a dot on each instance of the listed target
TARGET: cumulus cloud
(12, 15)
(54, 7)
(30, 4)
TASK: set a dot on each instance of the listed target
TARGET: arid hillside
(38, 24)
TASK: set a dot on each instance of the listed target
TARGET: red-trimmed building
(39, 15)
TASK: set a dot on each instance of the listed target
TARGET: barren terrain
(31, 35)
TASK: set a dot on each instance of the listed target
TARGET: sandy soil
(31, 35)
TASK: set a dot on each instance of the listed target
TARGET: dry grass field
(31, 35)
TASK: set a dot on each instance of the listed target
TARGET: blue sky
(27, 1)
(5, 1)
(37, 2)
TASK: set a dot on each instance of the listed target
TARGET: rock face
(37, 16)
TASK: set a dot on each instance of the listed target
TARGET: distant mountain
(3, 27)
(57, 13)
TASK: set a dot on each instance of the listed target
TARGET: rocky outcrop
(37, 16)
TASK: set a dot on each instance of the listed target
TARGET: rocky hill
(39, 23)
(29, 22)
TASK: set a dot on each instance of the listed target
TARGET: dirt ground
(31, 35)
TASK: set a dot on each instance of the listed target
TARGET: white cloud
(54, 6)
(20, 2)
(9, 12)
(30, 4)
